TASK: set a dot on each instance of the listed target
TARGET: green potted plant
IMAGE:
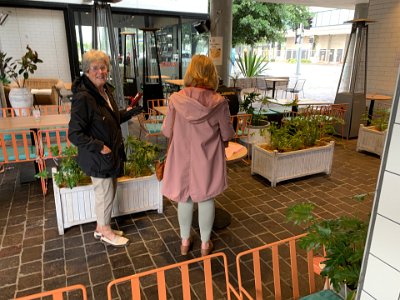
(18, 71)
(340, 241)
(372, 138)
(299, 147)
(250, 66)
(138, 190)
(256, 105)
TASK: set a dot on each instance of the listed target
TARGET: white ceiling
(347, 4)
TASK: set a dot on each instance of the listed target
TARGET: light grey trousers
(206, 218)
(104, 194)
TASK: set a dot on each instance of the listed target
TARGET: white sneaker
(98, 235)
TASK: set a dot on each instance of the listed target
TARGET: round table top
(235, 152)
(377, 97)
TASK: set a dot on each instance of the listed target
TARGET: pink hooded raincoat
(196, 164)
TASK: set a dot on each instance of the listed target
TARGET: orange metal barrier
(58, 294)
(132, 286)
(266, 280)
(49, 139)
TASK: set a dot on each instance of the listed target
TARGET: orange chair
(264, 264)
(51, 140)
(57, 294)
(152, 113)
(18, 146)
(9, 112)
(241, 124)
(150, 126)
(187, 270)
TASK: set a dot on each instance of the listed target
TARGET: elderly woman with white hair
(95, 129)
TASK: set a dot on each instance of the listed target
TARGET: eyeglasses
(97, 68)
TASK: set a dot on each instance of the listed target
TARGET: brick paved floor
(33, 257)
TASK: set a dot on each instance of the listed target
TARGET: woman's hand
(105, 150)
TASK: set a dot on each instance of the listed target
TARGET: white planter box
(277, 167)
(76, 206)
(371, 140)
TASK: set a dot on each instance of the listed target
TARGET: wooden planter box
(76, 206)
(277, 167)
(371, 140)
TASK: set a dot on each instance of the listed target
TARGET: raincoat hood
(197, 104)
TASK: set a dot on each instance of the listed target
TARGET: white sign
(216, 47)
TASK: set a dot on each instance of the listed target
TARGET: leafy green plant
(69, 174)
(4, 61)
(258, 111)
(380, 119)
(141, 156)
(26, 65)
(250, 64)
(299, 132)
(343, 240)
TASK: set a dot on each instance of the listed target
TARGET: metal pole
(298, 56)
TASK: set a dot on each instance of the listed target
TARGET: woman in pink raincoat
(199, 122)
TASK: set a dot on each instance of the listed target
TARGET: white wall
(383, 46)
(44, 31)
(381, 265)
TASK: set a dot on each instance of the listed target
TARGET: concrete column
(221, 34)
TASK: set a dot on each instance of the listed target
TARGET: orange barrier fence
(277, 271)
(131, 287)
(58, 294)
(266, 280)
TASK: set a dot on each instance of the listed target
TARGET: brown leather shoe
(207, 251)
(185, 249)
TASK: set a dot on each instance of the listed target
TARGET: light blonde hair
(201, 72)
(92, 56)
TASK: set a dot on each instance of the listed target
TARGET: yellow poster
(216, 49)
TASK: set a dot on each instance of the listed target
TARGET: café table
(178, 82)
(372, 98)
(274, 80)
(31, 122)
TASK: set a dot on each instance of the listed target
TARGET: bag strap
(172, 133)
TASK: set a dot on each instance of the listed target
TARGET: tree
(255, 22)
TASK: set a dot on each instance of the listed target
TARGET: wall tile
(393, 159)
(385, 244)
(381, 281)
(389, 204)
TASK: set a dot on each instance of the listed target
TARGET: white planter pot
(371, 140)
(20, 97)
(277, 167)
(257, 135)
(76, 206)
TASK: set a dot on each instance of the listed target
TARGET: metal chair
(150, 126)
(263, 85)
(152, 113)
(241, 123)
(19, 146)
(132, 286)
(297, 88)
(57, 294)
(10, 112)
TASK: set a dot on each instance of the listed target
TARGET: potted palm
(250, 66)
(299, 147)
(138, 190)
(372, 138)
(340, 241)
(19, 95)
